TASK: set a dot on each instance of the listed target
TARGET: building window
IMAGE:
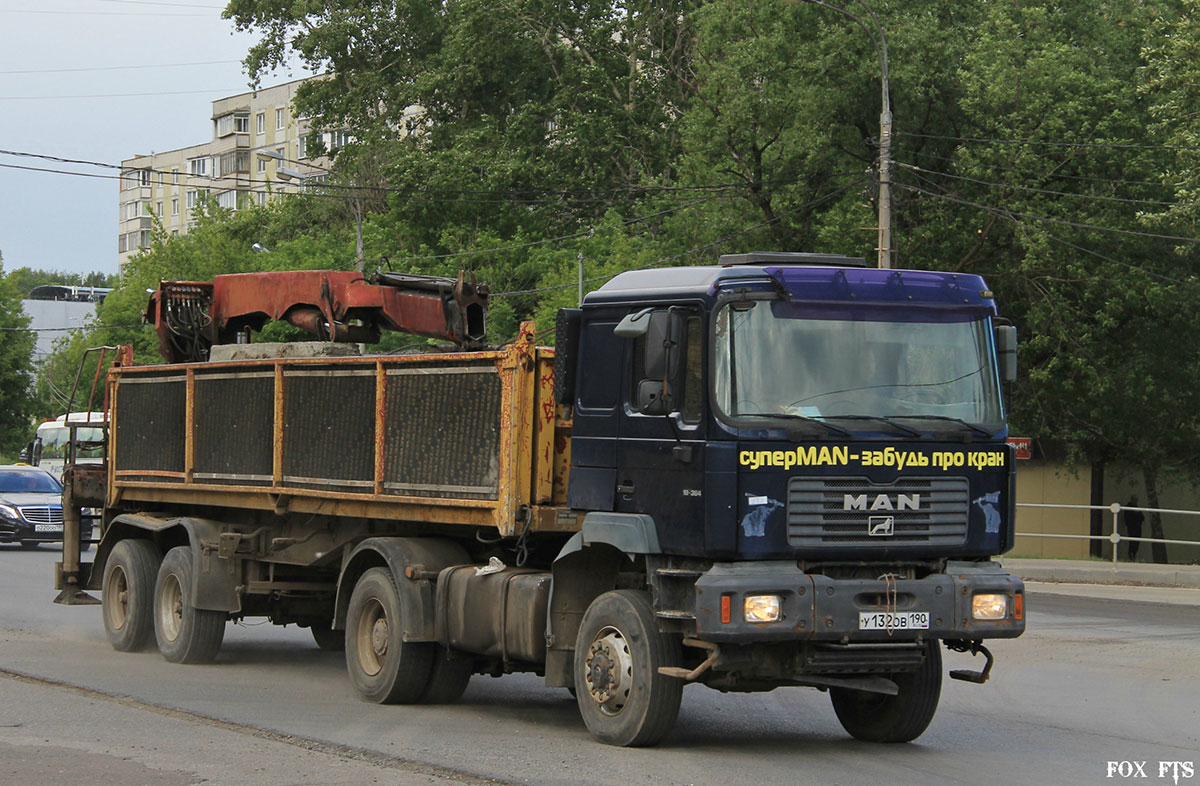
(234, 123)
(302, 147)
(234, 162)
(144, 239)
(228, 199)
(193, 197)
(280, 118)
(145, 176)
(198, 166)
(175, 176)
(262, 197)
(159, 211)
(260, 123)
(174, 207)
(262, 164)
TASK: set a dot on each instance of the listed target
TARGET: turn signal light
(1019, 606)
(726, 612)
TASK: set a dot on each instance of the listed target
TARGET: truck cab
(814, 454)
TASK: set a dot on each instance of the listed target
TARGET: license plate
(47, 527)
(902, 620)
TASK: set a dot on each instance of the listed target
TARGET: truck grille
(840, 512)
(42, 514)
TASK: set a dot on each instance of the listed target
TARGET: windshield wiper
(980, 430)
(792, 416)
(912, 432)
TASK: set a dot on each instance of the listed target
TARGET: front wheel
(383, 667)
(185, 633)
(622, 697)
(876, 717)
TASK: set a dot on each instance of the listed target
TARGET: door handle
(625, 488)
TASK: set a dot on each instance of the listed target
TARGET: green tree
(16, 369)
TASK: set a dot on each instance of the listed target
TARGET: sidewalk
(1088, 572)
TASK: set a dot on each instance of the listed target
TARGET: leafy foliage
(1049, 146)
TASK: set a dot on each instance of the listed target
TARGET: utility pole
(885, 125)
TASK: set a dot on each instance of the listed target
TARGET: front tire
(328, 639)
(875, 717)
(185, 633)
(623, 699)
(127, 594)
(383, 667)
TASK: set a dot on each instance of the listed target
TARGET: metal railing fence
(1115, 537)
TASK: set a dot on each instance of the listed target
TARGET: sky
(101, 81)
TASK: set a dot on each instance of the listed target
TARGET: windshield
(55, 439)
(772, 359)
(28, 482)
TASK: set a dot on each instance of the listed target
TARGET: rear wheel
(383, 667)
(448, 678)
(127, 594)
(621, 696)
(876, 717)
(185, 633)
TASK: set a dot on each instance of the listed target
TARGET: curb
(1068, 571)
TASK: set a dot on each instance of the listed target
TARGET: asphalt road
(1095, 679)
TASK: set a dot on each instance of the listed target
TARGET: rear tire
(383, 667)
(185, 633)
(127, 594)
(448, 679)
(875, 717)
(621, 696)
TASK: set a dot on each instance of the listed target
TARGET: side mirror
(1006, 352)
(651, 398)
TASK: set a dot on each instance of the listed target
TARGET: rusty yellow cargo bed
(465, 438)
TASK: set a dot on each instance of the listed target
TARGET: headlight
(762, 608)
(9, 512)
(989, 606)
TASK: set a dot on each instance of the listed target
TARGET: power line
(1035, 142)
(1059, 175)
(102, 13)
(112, 95)
(509, 195)
(1039, 190)
(667, 260)
(115, 68)
(1062, 222)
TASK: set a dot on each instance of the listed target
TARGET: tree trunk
(1158, 550)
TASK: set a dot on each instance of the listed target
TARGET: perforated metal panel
(149, 418)
(234, 415)
(329, 428)
(442, 433)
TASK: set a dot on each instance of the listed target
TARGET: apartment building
(256, 141)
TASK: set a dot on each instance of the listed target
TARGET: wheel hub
(609, 671)
(379, 636)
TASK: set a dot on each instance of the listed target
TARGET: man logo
(881, 502)
(881, 526)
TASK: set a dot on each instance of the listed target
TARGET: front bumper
(18, 530)
(817, 608)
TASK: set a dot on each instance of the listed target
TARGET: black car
(31, 507)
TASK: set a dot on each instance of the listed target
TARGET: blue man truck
(780, 470)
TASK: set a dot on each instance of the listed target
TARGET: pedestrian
(1133, 525)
